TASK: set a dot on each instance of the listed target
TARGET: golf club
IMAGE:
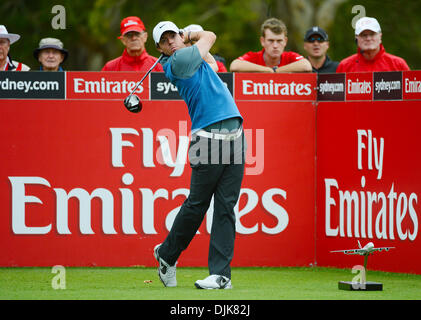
(132, 102)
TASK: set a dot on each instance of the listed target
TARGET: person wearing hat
(134, 57)
(371, 55)
(216, 154)
(273, 57)
(6, 62)
(316, 44)
(50, 54)
(220, 61)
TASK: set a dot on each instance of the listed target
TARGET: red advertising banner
(359, 86)
(368, 183)
(287, 86)
(105, 85)
(84, 182)
(87, 183)
(411, 85)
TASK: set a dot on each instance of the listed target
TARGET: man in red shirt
(272, 58)
(134, 57)
(371, 55)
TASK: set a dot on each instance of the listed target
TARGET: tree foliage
(92, 27)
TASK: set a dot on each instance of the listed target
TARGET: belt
(220, 136)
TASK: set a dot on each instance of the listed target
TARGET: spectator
(220, 61)
(134, 57)
(272, 58)
(371, 55)
(316, 44)
(50, 54)
(6, 62)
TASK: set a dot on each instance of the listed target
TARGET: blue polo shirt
(207, 97)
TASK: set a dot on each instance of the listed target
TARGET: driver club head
(133, 103)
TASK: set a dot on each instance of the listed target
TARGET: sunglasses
(313, 39)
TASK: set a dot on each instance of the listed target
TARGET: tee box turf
(356, 286)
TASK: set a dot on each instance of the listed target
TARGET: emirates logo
(130, 23)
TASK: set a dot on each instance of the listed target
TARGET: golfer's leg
(221, 246)
(192, 212)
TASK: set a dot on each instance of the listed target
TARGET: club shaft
(146, 74)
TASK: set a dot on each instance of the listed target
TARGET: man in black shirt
(316, 44)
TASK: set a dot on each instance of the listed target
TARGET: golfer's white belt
(220, 136)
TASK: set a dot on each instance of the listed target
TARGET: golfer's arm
(246, 66)
(302, 65)
(204, 41)
(211, 61)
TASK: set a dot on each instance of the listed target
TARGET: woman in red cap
(134, 57)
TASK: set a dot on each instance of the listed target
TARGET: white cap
(367, 23)
(162, 27)
(11, 36)
(193, 27)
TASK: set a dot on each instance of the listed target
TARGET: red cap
(131, 24)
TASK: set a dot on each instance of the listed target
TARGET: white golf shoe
(166, 273)
(214, 281)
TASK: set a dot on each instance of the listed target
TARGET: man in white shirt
(6, 63)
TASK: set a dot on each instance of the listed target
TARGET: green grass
(255, 283)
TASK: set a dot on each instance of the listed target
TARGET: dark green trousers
(218, 173)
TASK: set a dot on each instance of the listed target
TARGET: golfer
(216, 154)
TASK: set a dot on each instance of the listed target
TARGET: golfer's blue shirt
(207, 97)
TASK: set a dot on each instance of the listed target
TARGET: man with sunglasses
(371, 55)
(134, 57)
(316, 44)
